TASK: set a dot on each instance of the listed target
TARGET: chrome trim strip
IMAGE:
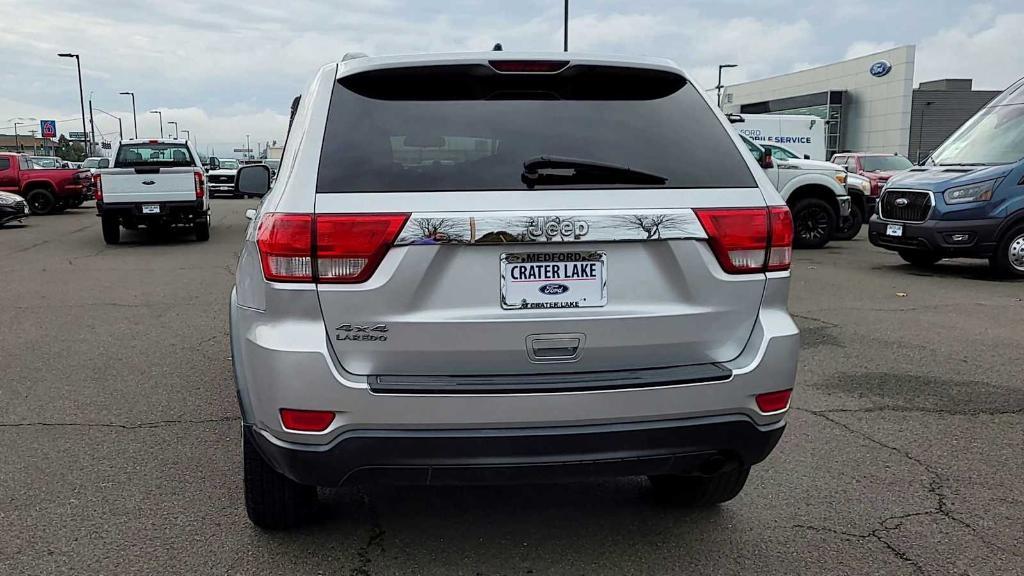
(931, 207)
(462, 228)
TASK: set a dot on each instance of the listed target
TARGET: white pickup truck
(814, 190)
(153, 183)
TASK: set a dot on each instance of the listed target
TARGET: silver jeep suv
(502, 267)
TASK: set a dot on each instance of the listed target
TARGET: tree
(70, 151)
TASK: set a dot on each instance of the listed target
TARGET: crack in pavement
(936, 488)
(138, 426)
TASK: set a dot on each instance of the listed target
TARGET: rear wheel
(1008, 260)
(41, 201)
(111, 230)
(202, 228)
(813, 222)
(700, 491)
(272, 500)
(851, 225)
(919, 259)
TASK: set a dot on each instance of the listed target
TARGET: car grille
(217, 179)
(916, 208)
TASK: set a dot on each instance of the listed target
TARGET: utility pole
(565, 42)
(17, 142)
(135, 120)
(33, 134)
(92, 122)
(81, 92)
(248, 151)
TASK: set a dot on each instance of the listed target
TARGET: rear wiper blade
(555, 170)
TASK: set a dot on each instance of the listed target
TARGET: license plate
(150, 208)
(894, 230)
(553, 280)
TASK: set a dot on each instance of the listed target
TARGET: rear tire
(699, 491)
(41, 201)
(920, 259)
(814, 222)
(1008, 260)
(272, 501)
(849, 229)
(202, 228)
(111, 230)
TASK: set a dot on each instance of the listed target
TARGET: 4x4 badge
(359, 333)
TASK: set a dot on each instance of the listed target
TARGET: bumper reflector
(773, 401)
(306, 420)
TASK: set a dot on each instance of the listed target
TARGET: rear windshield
(884, 163)
(467, 127)
(228, 164)
(164, 155)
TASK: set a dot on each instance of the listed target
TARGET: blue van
(967, 199)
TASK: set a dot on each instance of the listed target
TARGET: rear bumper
(938, 236)
(492, 456)
(167, 209)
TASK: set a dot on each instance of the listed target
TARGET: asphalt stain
(929, 393)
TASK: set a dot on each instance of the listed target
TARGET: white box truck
(801, 134)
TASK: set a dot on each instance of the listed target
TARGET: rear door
(593, 259)
(8, 174)
(151, 172)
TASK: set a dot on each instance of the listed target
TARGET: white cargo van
(804, 135)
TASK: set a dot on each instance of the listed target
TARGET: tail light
(780, 248)
(97, 183)
(200, 185)
(749, 240)
(306, 420)
(772, 401)
(348, 248)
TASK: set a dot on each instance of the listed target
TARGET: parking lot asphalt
(120, 449)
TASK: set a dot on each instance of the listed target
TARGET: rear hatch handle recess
(543, 348)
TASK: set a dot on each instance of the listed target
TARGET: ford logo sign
(553, 289)
(880, 68)
(901, 202)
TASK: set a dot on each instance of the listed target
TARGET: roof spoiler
(352, 56)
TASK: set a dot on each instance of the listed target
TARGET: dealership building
(869, 104)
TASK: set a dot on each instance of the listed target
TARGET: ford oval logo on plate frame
(880, 68)
(553, 289)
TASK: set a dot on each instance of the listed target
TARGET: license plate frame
(150, 208)
(546, 288)
(895, 230)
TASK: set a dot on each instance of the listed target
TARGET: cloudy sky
(225, 69)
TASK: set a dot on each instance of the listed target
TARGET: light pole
(161, 115)
(81, 92)
(21, 121)
(135, 120)
(565, 41)
(248, 151)
(719, 87)
(120, 130)
(175, 128)
(187, 134)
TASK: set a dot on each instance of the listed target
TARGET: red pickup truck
(46, 190)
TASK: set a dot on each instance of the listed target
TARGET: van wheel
(813, 223)
(272, 501)
(919, 258)
(849, 229)
(40, 201)
(1008, 260)
(699, 491)
(202, 228)
(111, 230)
